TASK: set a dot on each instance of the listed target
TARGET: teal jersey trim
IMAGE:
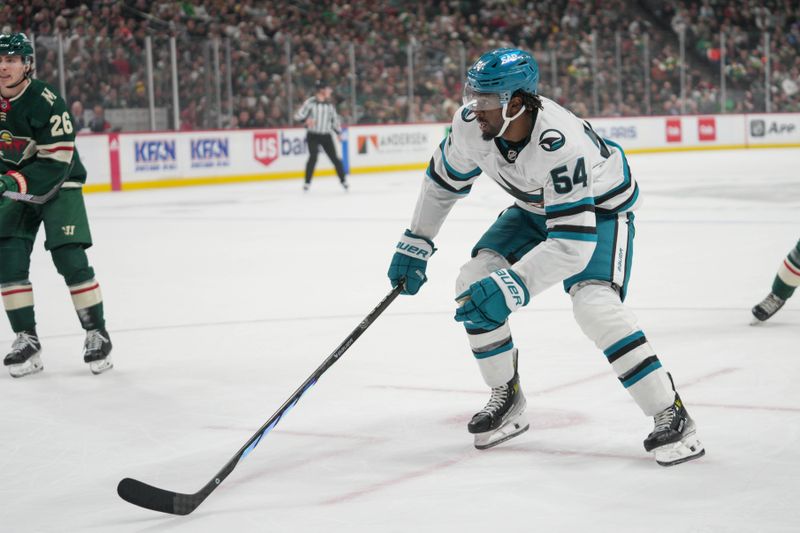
(453, 173)
(572, 236)
(561, 207)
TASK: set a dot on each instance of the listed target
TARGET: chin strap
(508, 120)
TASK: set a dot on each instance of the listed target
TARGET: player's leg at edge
(25, 355)
(783, 286)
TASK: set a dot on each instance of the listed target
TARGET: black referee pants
(315, 140)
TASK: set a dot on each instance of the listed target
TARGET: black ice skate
(673, 439)
(24, 356)
(503, 417)
(97, 350)
(768, 307)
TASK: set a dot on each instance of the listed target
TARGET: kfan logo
(212, 152)
(155, 155)
(267, 147)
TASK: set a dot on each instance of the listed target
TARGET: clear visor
(475, 101)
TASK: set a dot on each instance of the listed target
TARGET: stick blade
(156, 499)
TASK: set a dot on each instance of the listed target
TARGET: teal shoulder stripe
(453, 173)
(572, 236)
(561, 207)
(438, 181)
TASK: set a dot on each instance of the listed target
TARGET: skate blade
(756, 322)
(684, 450)
(101, 365)
(32, 366)
(489, 439)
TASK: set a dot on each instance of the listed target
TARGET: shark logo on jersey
(467, 115)
(551, 140)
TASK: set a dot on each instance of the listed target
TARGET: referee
(321, 122)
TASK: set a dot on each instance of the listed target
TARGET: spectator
(78, 120)
(98, 123)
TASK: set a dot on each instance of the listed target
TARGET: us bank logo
(269, 146)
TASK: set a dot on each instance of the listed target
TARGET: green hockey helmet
(16, 44)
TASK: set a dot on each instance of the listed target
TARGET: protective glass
(475, 101)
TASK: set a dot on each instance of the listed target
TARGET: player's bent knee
(480, 266)
(71, 262)
(599, 311)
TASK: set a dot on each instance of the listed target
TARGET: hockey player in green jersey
(41, 180)
(783, 286)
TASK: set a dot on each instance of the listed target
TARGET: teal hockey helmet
(15, 44)
(497, 75)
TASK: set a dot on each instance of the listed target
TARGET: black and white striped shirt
(326, 120)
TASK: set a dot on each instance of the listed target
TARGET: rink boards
(128, 161)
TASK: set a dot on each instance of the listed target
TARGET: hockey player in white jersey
(572, 222)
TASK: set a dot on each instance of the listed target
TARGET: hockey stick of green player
(167, 501)
(42, 198)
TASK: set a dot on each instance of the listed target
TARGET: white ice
(222, 300)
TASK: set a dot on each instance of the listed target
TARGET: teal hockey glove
(488, 302)
(409, 262)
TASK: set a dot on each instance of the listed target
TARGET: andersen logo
(391, 142)
(364, 141)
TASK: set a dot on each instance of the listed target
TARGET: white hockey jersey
(565, 172)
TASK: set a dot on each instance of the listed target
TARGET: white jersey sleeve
(449, 177)
(572, 233)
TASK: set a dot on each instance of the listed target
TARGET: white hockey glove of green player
(13, 181)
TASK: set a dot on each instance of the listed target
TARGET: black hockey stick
(167, 501)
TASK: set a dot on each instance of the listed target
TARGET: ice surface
(222, 300)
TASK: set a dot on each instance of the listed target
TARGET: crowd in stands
(276, 51)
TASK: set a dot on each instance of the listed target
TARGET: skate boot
(24, 356)
(768, 307)
(97, 350)
(673, 439)
(503, 417)
(345, 185)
